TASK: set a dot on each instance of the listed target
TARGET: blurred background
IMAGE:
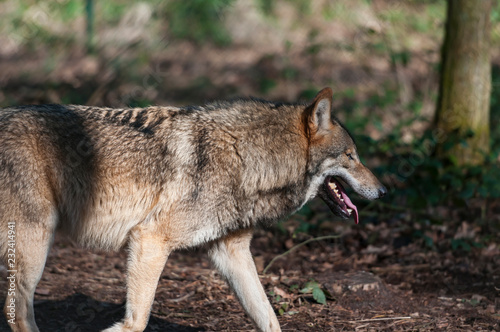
(402, 72)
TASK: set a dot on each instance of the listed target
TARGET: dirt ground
(376, 277)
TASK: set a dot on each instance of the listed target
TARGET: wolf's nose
(382, 191)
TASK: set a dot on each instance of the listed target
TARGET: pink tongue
(349, 204)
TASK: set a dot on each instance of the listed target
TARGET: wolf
(159, 179)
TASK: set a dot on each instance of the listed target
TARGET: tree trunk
(464, 96)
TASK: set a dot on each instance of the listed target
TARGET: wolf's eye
(349, 155)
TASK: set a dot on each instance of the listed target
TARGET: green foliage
(394, 15)
(412, 169)
(495, 14)
(303, 6)
(464, 244)
(266, 6)
(308, 94)
(427, 240)
(426, 181)
(266, 85)
(312, 287)
(71, 9)
(139, 102)
(334, 10)
(199, 20)
(112, 11)
(290, 73)
(283, 308)
(403, 57)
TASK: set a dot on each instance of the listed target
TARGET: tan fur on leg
(32, 246)
(148, 253)
(233, 259)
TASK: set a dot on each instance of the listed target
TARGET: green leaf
(319, 295)
(477, 245)
(460, 243)
(314, 288)
(306, 290)
(309, 287)
(456, 183)
(470, 189)
(483, 191)
(428, 241)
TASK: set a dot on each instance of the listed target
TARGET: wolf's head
(333, 156)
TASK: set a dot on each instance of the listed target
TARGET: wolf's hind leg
(231, 255)
(32, 243)
(148, 253)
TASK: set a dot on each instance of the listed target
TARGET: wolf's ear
(319, 112)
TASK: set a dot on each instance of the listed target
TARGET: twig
(320, 238)
(362, 326)
(392, 268)
(378, 319)
(182, 298)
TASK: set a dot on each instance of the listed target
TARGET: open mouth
(336, 198)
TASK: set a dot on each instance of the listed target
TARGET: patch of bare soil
(392, 284)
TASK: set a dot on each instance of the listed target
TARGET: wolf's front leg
(148, 253)
(231, 255)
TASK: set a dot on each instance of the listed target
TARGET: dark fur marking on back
(152, 126)
(201, 150)
(139, 120)
(126, 117)
(185, 111)
(202, 160)
(115, 115)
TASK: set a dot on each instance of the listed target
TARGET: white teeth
(349, 210)
(333, 186)
(342, 199)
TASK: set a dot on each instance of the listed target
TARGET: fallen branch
(182, 298)
(392, 268)
(320, 238)
(379, 319)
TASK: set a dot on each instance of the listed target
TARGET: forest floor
(376, 277)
